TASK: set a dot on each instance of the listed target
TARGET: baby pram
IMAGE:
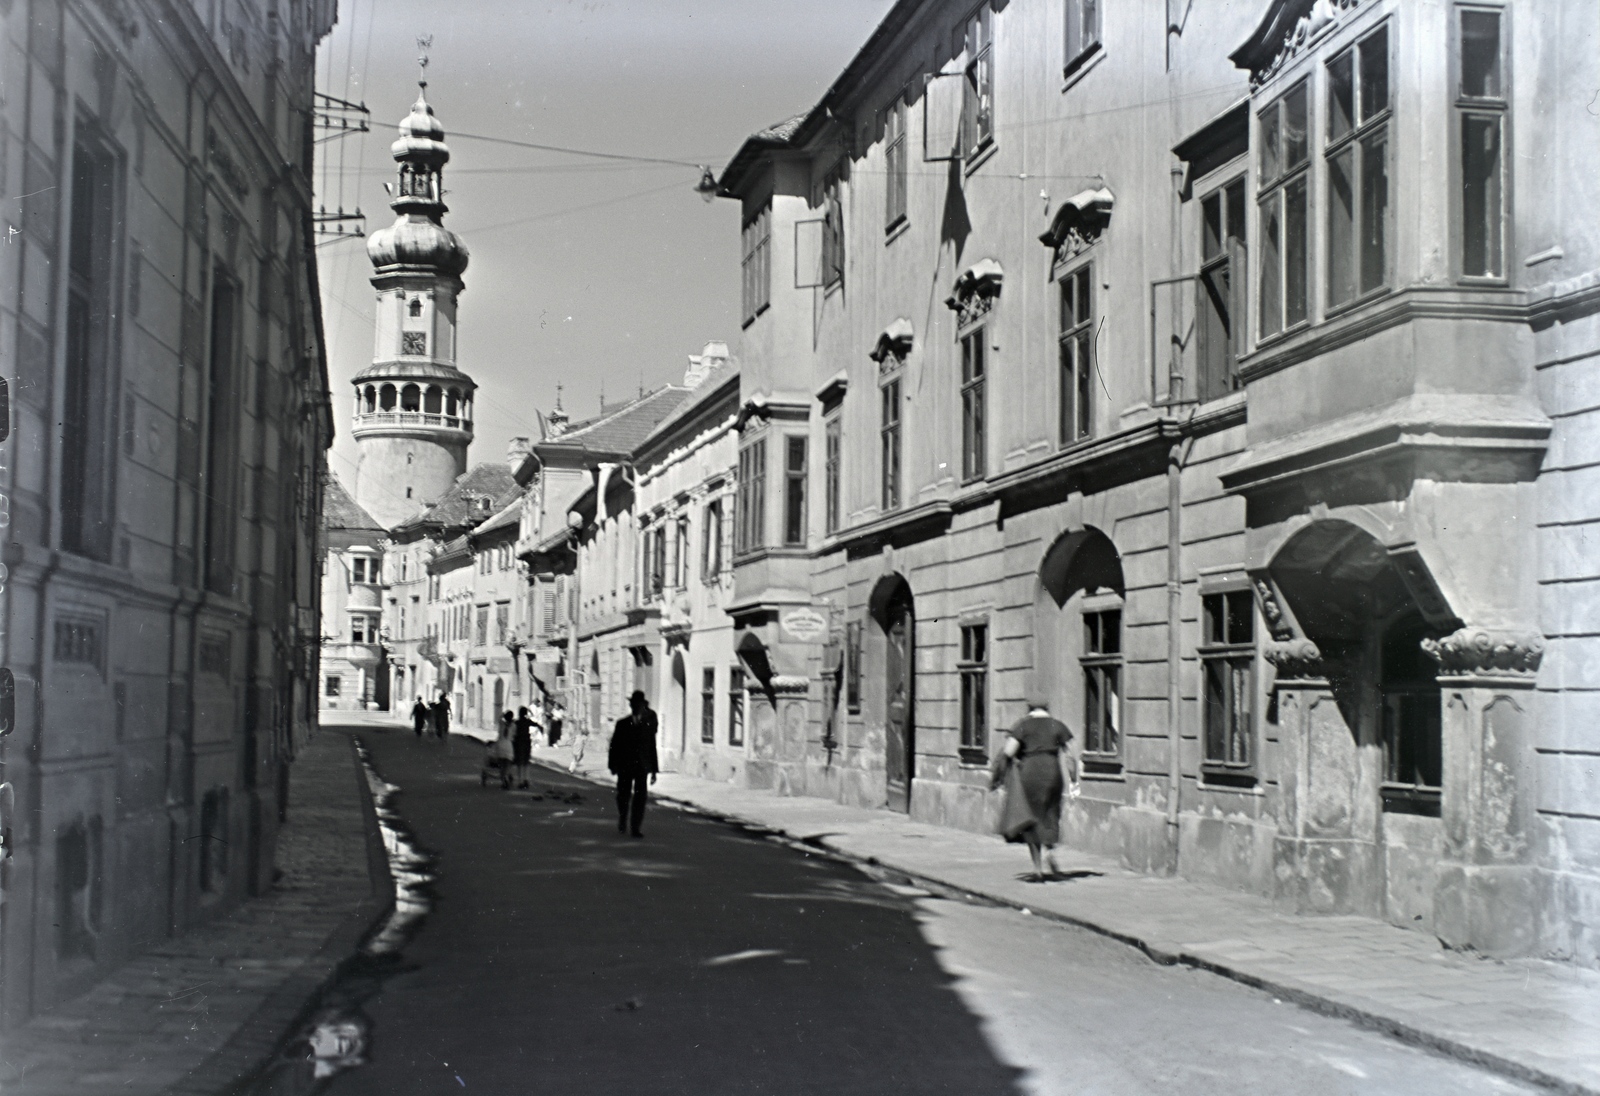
(496, 762)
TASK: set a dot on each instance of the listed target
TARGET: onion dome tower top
(417, 238)
(413, 406)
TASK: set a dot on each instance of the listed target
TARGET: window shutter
(1239, 304)
(547, 608)
(943, 103)
(808, 249)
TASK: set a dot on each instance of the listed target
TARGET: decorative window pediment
(894, 343)
(974, 292)
(1285, 31)
(1079, 222)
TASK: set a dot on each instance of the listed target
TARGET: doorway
(895, 611)
(679, 701)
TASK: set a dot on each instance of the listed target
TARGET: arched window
(416, 307)
(466, 408)
(371, 398)
(386, 397)
(411, 398)
(452, 401)
(408, 458)
(431, 400)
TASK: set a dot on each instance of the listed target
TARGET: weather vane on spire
(424, 44)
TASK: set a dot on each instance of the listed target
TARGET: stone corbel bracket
(1474, 650)
(1294, 657)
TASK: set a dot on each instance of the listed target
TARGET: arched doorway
(678, 702)
(1078, 643)
(894, 610)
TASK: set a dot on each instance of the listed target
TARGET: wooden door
(900, 701)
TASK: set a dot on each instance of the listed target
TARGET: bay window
(1283, 205)
(1482, 107)
(752, 497)
(1358, 169)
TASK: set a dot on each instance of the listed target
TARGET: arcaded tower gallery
(413, 417)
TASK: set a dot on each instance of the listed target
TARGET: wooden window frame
(796, 473)
(755, 264)
(1229, 741)
(736, 706)
(972, 667)
(1277, 179)
(895, 145)
(708, 705)
(1103, 708)
(832, 471)
(1467, 108)
(891, 443)
(974, 343)
(1075, 355)
(751, 498)
(1368, 128)
(1081, 34)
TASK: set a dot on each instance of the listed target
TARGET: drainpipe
(1176, 457)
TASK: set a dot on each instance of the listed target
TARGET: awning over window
(1086, 212)
(981, 279)
(895, 339)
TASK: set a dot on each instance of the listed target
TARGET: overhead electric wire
(576, 151)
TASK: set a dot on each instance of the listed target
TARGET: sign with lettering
(805, 624)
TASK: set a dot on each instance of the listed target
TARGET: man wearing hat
(632, 757)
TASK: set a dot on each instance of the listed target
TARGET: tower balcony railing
(411, 418)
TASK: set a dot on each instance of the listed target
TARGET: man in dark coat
(419, 716)
(632, 758)
(441, 716)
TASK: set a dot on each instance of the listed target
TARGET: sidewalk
(1530, 1019)
(191, 1016)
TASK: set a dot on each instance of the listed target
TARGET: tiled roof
(702, 393)
(620, 432)
(340, 511)
(510, 515)
(780, 132)
(462, 505)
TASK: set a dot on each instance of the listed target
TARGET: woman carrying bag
(1030, 769)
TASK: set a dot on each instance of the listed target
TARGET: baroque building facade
(167, 421)
(1222, 384)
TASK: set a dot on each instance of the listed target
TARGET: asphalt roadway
(559, 955)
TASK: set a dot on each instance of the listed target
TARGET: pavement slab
(1532, 1019)
(194, 1014)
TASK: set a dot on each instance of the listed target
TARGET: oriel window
(794, 491)
(752, 496)
(1358, 169)
(1284, 209)
(756, 264)
(1482, 106)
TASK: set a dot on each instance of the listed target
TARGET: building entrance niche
(894, 611)
(1078, 643)
(1358, 710)
(678, 703)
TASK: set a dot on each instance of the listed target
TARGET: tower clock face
(414, 343)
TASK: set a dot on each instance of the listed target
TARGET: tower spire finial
(424, 44)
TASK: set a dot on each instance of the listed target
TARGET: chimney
(516, 452)
(701, 365)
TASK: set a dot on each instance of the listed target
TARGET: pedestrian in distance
(420, 716)
(633, 757)
(441, 716)
(522, 744)
(1030, 768)
(557, 715)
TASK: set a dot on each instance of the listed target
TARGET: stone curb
(1313, 998)
(287, 1007)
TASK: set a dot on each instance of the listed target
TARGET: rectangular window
(1227, 661)
(680, 553)
(852, 666)
(708, 704)
(833, 227)
(794, 491)
(331, 687)
(974, 672)
(656, 545)
(1075, 418)
(977, 105)
(482, 633)
(711, 541)
(833, 440)
(87, 492)
(889, 443)
(1102, 686)
(894, 156)
(756, 265)
(752, 497)
(222, 448)
(1358, 169)
(1083, 32)
(358, 629)
(1482, 106)
(358, 570)
(1220, 309)
(502, 623)
(974, 416)
(1283, 204)
(736, 707)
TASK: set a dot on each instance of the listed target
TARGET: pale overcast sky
(584, 272)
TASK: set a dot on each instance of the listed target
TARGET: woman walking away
(1030, 767)
(522, 745)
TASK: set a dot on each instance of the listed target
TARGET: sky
(596, 275)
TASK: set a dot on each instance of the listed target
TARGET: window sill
(1484, 281)
(1399, 799)
(1346, 307)
(974, 758)
(754, 316)
(1265, 342)
(1100, 768)
(896, 229)
(1077, 68)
